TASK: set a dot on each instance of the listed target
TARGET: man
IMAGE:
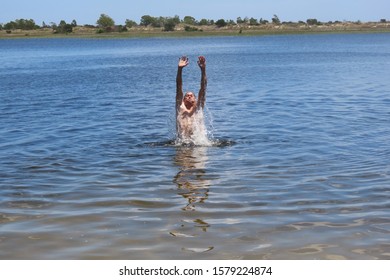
(188, 107)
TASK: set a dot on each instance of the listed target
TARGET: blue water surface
(299, 169)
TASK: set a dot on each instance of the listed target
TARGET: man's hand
(183, 62)
(202, 62)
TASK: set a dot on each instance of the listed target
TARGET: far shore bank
(180, 31)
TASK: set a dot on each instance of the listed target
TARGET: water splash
(180, 143)
(200, 135)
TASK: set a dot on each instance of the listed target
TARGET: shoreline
(206, 31)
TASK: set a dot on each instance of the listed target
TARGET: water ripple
(298, 166)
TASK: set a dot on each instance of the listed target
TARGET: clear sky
(88, 11)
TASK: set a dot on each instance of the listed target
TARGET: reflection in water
(193, 186)
(190, 179)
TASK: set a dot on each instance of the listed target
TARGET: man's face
(189, 99)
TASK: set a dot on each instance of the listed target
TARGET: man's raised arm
(203, 82)
(183, 62)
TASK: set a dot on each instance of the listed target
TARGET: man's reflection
(193, 186)
(190, 179)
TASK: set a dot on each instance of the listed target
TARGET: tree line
(106, 24)
(29, 24)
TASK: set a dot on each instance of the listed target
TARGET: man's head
(189, 99)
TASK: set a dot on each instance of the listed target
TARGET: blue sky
(88, 11)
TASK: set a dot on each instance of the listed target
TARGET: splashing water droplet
(200, 133)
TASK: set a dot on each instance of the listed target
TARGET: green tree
(190, 28)
(24, 24)
(121, 28)
(263, 21)
(169, 24)
(312, 21)
(189, 20)
(176, 19)
(130, 23)
(220, 23)
(61, 26)
(253, 21)
(64, 27)
(105, 21)
(275, 20)
(10, 25)
(147, 20)
(204, 21)
(160, 22)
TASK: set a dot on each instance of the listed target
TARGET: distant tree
(120, 28)
(147, 20)
(159, 22)
(68, 28)
(263, 21)
(105, 21)
(204, 21)
(176, 19)
(74, 23)
(130, 23)
(312, 21)
(191, 28)
(253, 21)
(63, 27)
(275, 20)
(242, 21)
(220, 23)
(24, 24)
(61, 24)
(20, 24)
(189, 20)
(10, 25)
(169, 24)
(383, 20)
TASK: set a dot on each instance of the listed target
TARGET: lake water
(299, 169)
